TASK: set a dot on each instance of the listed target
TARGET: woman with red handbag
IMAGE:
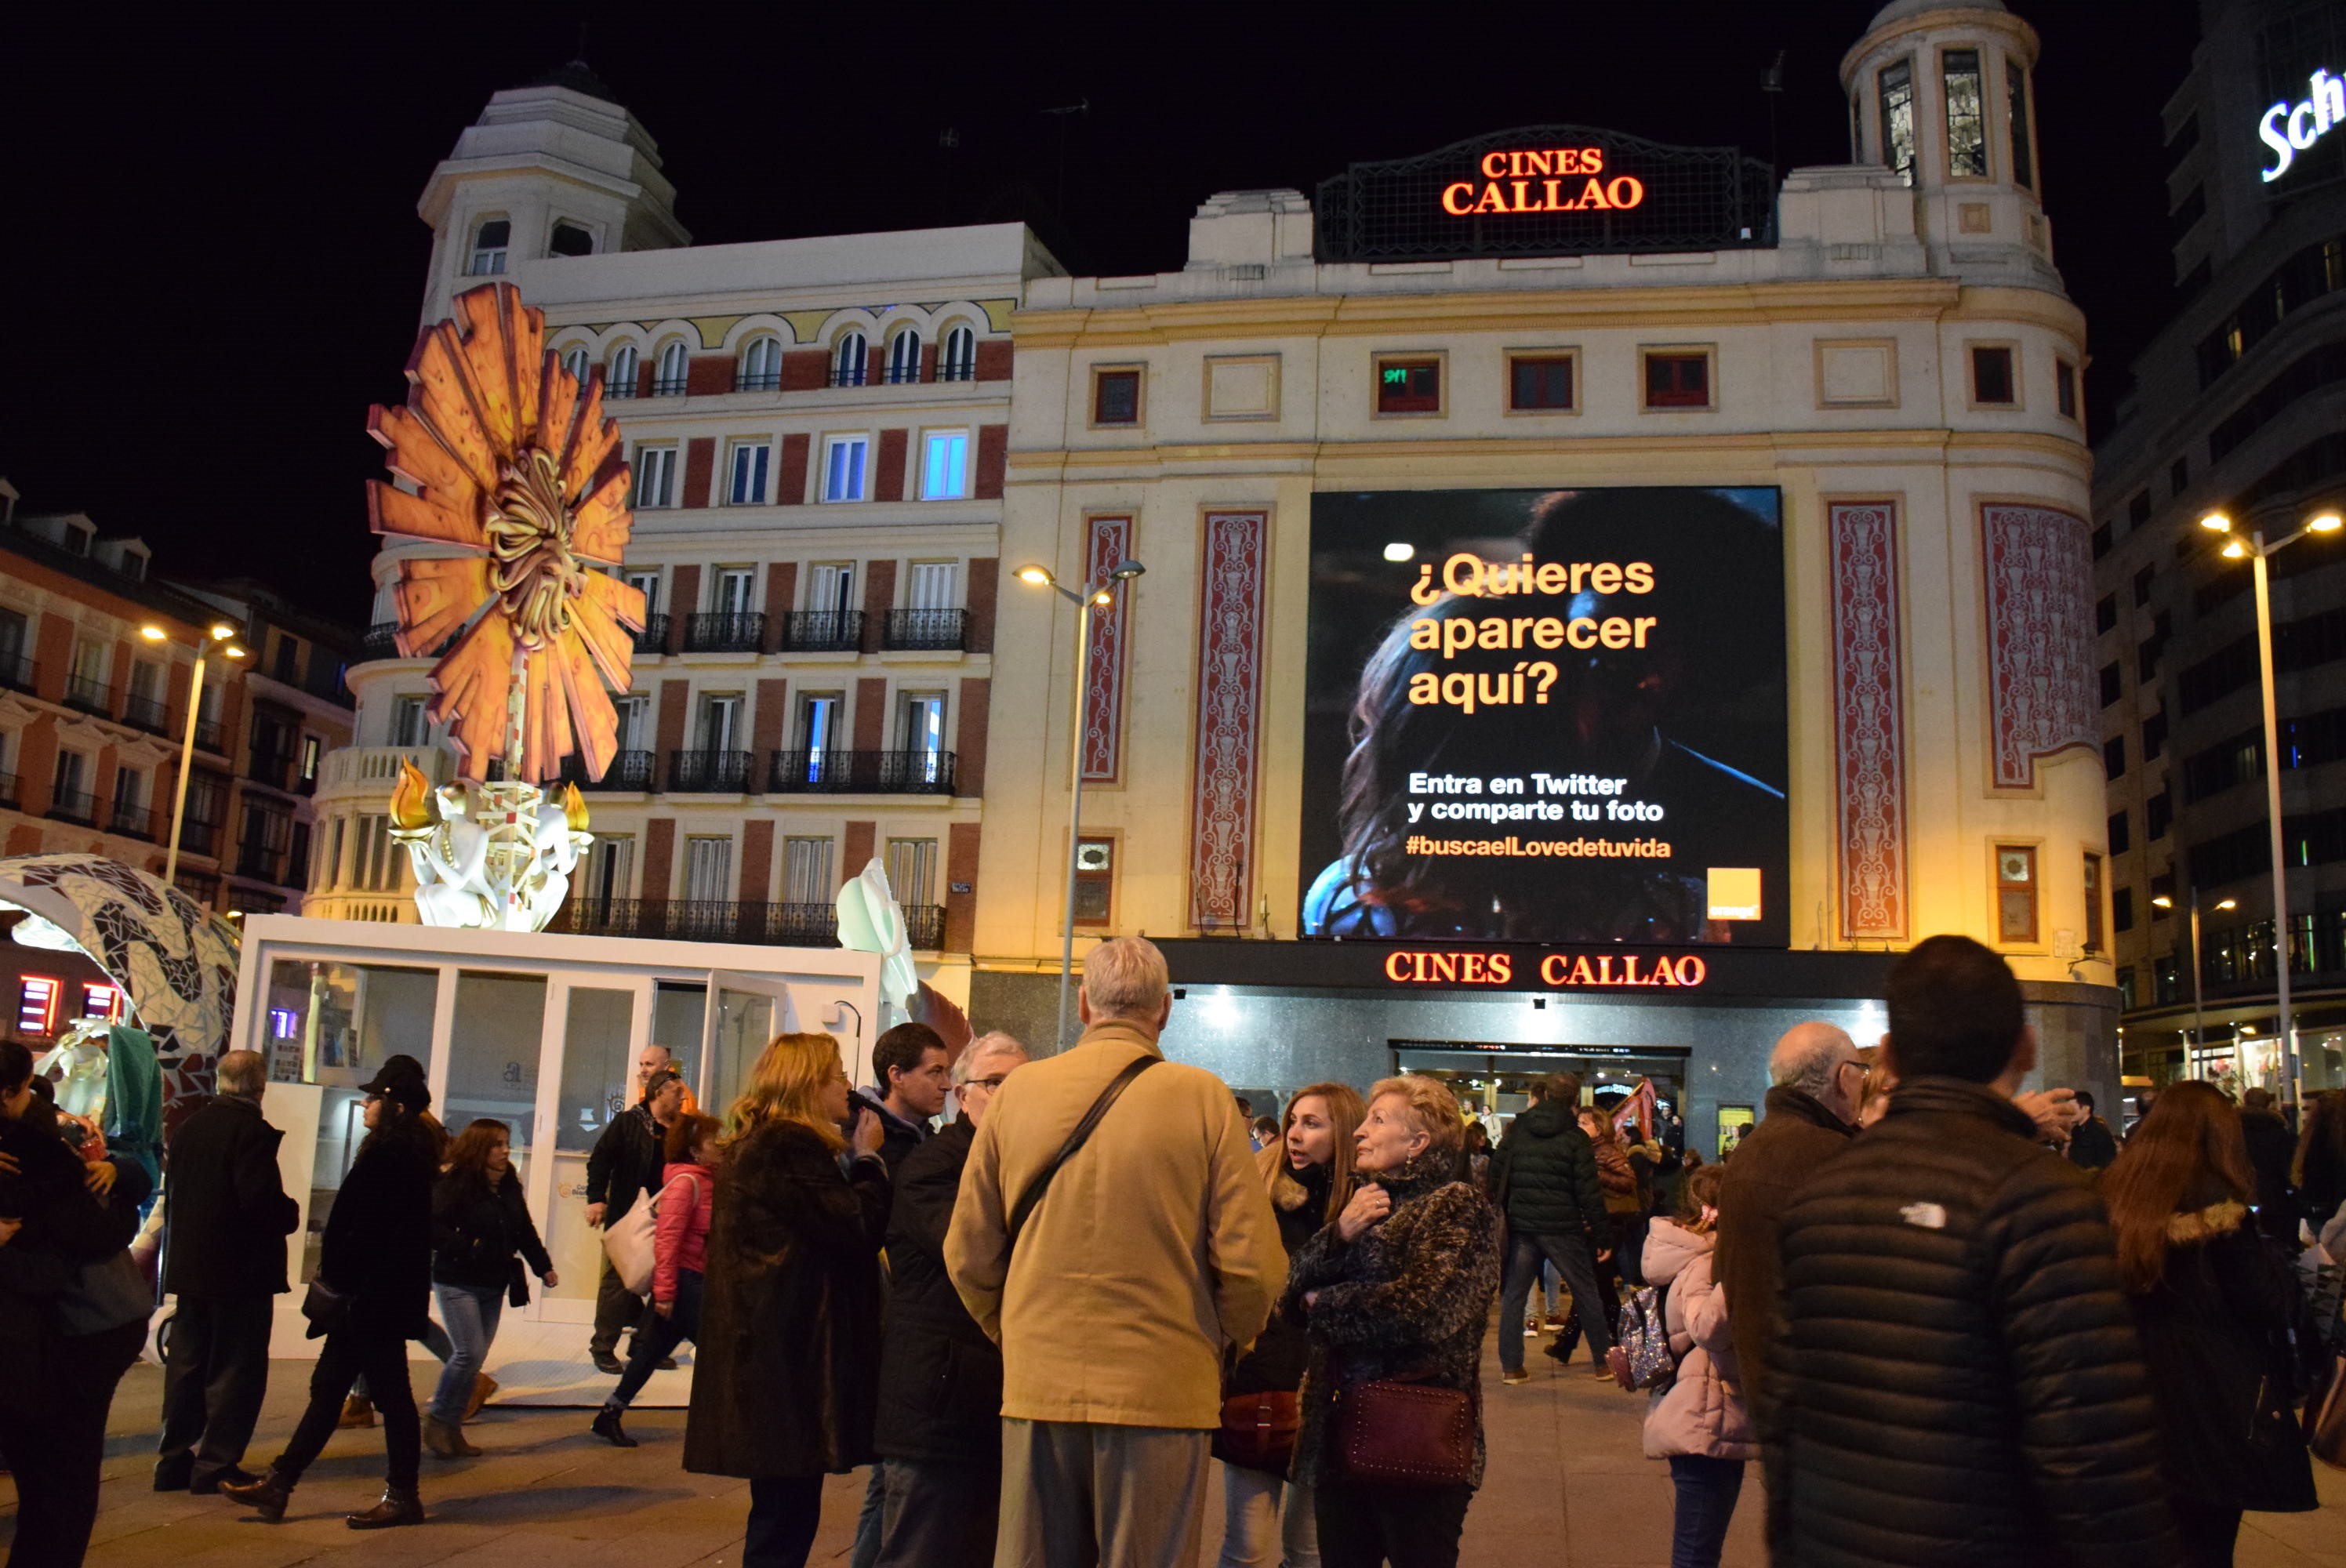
(1267, 1519)
(1395, 1296)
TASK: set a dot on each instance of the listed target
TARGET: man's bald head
(1812, 1057)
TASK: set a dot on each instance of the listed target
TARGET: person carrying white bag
(623, 1173)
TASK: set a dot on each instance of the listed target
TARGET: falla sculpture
(509, 473)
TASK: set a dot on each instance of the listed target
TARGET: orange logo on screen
(1540, 181)
(1559, 970)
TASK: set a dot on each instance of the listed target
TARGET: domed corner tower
(1942, 93)
(551, 170)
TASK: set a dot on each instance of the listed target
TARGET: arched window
(619, 380)
(959, 362)
(851, 366)
(489, 243)
(904, 357)
(570, 240)
(761, 366)
(669, 381)
(574, 359)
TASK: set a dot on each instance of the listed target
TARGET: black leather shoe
(266, 1496)
(400, 1505)
(209, 1485)
(171, 1477)
(607, 1426)
(608, 1364)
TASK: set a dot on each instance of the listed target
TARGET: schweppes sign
(1553, 971)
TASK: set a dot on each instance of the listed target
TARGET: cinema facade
(1602, 600)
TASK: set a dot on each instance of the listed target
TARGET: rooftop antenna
(1771, 82)
(1065, 113)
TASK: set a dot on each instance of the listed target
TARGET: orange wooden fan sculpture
(516, 473)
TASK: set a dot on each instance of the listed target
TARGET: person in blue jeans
(1698, 1422)
(480, 1233)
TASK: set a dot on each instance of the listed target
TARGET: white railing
(376, 767)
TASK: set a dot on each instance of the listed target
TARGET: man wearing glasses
(1811, 1114)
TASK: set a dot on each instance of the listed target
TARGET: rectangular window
(2178, 475)
(311, 749)
(2138, 509)
(819, 724)
(936, 586)
(708, 869)
(648, 585)
(2122, 914)
(2121, 834)
(73, 781)
(2102, 540)
(1095, 881)
(2154, 737)
(2023, 146)
(912, 870)
(720, 721)
(655, 476)
(1992, 381)
(1677, 379)
(2114, 755)
(2112, 684)
(2105, 613)
(2158, 816)
(842, 467)
(1409, 385)
(2142, 582)
(610, 868)
(407, 727)
(2094, 941)
(631, 710)
(944, 465)
(1894, 89)
(831, 587)
(1539, 383)
(806, 871)
(1115, 397)
(748, 483)
(733, 589)
(2065, 388)
(2016, 893)
(1966, 115)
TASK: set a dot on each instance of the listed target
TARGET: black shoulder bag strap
(1108, 1097)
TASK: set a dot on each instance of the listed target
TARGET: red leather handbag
(1405, 1433)
(1258, 1430)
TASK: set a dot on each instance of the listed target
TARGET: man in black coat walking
(1955, 1377)
(623, 1169)
(1543, 1179)
(225, 1215)
(940, 1418)
(2092, 1145)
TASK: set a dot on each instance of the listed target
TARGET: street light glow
(2235, 550)
(2216, 522)
(222, 631)
(2162, 903)
(1038, 576)
(2229, 904)
(152, 633)
(2328, 523)
(233, 651)
(1400, 550)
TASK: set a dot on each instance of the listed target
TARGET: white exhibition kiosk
(539, 1031)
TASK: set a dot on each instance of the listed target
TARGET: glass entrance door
(601, 1026)
(749, 1011)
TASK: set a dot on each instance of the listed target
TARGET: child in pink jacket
(679, 1258)
(1698, 1422)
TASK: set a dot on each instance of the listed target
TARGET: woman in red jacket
(679, 1258)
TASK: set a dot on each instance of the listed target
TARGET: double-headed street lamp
(221, 632)
(1101, 594)
(2255, 548)
(2199, 1024)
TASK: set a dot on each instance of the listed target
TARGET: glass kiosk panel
(598, 1084)
(493, 1050)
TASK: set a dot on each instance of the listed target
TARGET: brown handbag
(1405, 1433)
(1259, 1430)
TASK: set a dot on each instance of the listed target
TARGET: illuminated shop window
(1539, 383)
(1966, 115)
(1677, 379)
(36, 1005)
(1409, 386)
(1993, 383)
(2016, 893)
(1894, 90)
(1115, 397)
(101, 1002)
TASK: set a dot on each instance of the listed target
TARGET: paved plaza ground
(1567, 1489)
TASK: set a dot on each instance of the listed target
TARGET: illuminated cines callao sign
(2291, 129)
(1553, 179)
(1559, 970)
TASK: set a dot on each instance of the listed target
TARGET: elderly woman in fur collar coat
(1398, 1287)
(2207, 1292)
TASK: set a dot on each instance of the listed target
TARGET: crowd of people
(1955, 1321)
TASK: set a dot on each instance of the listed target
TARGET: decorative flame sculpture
(496, 855)
(511, 469)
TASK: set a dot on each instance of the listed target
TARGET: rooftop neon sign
(2292, 129)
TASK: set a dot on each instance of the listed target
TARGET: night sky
(213, 264)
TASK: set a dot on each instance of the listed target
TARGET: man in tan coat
(1153, 1248)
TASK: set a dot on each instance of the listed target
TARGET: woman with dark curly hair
(1399, 1288)
(480, 1232)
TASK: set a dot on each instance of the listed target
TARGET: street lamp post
(221, 632)
(2198, 1023)
(2259, 553)
(1101, 593)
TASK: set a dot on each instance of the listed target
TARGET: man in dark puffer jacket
(1544, 1180)
(1956, 1376)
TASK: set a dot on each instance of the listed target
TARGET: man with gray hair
(1113, 1270)
(226, 1216)
(1811, 1114)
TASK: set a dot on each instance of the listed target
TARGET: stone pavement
(1566, 1487)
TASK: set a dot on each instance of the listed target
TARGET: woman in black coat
(783, 1384)
(376, 1261)
(2207, 1294)
(480, 1232)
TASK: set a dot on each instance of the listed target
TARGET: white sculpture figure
(870, 920)
(496, 855)
(80, 1059)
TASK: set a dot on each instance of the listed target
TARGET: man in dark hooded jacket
(1544, 1180)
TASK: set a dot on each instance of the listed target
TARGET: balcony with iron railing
(822, 631)
(261, 863)
(670, 386)
(200, 837)
(88, 693)
(380, 641)
(18, 672)
(936, 631)
(653, 639)
(211, 737)
(131, 822)
(625, 386)
(145, 713)
(629, 770)
(924, 927)
(702, 920)
(844, 374)
(74, 806)
(707, 773)
(861, 773)
(758, 381)
(725, 631)
(957, 369)
(272, 769)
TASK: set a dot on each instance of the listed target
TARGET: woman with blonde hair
(1398, 1289)
(788, 1352)
(1309, 1169)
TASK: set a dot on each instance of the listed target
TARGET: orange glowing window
(36, 1005)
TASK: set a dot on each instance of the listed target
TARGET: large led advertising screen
(1547, 717)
